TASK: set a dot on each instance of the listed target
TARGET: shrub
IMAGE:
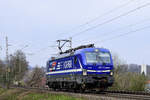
(129, 81)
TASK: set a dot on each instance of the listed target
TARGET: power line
(110, 20)
(124, 34)
(118, 29)
(98, 17)
(40, 51)
(109, 12)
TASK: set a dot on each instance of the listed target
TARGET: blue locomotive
(85, 67)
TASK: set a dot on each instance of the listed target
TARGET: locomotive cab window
(98, 57)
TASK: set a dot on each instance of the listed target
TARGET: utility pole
(7, 49)
(7, 64)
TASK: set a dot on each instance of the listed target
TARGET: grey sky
(38, 23)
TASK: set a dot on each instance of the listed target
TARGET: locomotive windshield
(98, 57)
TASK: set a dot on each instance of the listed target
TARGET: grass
(20, 94)
(2, 90)
(10, 94)
(47, 96)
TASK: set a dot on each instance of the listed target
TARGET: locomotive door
(75, 66)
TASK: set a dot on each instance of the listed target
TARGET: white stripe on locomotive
(76, 70)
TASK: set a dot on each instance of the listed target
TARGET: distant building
(134, 68)
(148, 70)
(144, 69)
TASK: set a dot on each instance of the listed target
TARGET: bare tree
(2, 73)
(18, 65)
(35, 78)
(119, 64)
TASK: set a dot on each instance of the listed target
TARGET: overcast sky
(38, 23)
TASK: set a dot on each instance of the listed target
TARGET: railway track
(106, 95)
(128, 95)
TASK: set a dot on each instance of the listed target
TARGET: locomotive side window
(75, 60)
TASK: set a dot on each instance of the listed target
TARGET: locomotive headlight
(84, 72)
(111, 73)
(96, 50)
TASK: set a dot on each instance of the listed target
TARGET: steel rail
(136, 95)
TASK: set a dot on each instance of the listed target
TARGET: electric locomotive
(81, 68)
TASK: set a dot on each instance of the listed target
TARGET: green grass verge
(11, 94)
(2, 90)
(19, 94)
(47, 96)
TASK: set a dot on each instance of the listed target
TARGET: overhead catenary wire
(106, 13)
(98, 17)
(123, 34)
(42, 50)
(117, 17)
(118, 29)
(112, 19)
(124, 14)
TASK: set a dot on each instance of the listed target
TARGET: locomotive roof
(80, 51)
(91, 50)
